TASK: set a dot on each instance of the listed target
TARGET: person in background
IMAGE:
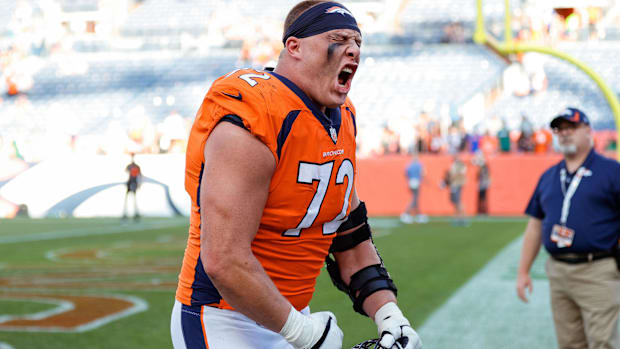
(455, 180)
(415, 176)
(542, 140)
(525, 143)
(503, 137)
(575, 213)
(133, 183)
(484, 181)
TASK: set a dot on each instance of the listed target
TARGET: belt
(576, 258)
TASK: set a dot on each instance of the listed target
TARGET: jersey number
(249, 78)
(307, 174)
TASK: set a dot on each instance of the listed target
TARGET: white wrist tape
(295, 329)
(389, 309)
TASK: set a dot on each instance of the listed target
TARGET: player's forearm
(351, 261)
(377, 300)
(243, 283)
(531, 245)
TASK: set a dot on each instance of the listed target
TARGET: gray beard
(568, 149)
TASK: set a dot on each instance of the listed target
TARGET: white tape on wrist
(389, 309)
(293, 329)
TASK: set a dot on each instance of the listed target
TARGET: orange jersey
(310, 191)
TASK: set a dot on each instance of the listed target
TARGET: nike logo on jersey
(238, 96)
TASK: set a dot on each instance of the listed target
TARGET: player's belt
(576, 258)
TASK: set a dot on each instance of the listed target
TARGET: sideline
(96, 230)
(486, 312)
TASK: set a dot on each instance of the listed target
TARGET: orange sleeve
(233, 96)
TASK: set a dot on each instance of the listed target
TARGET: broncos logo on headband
(338, 9)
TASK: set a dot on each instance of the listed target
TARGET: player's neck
(292, 74)
(574, 161)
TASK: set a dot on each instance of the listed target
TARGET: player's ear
(293, 46)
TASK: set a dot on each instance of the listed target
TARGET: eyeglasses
(570, 128)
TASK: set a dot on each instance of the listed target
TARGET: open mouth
(346, 74)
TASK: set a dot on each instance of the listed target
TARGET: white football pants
(204, 327)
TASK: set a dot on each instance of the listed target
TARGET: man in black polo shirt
(575, 213)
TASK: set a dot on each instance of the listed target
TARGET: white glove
(395, 331)
(317, 330)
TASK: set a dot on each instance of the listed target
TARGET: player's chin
(337, 98)
(336, 101)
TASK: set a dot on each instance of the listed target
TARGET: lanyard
(568, 193)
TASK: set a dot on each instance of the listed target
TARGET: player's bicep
(234, 187)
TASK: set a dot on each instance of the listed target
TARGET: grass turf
(428, 262)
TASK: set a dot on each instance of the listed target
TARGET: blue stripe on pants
(192, 327)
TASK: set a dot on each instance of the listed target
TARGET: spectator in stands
(463, 136)
(473, 139)
(611, 145)
(575, 212)
(488, 143)
(454, 140)
(415, 176)
(503, 137)
(133, 183)
(436, 144)
(526, 126)
(542, 140)
(453, 33)
(525, 143)
(423, 139)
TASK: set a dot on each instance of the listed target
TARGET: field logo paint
(72, 314)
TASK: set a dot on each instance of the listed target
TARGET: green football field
(102, 283)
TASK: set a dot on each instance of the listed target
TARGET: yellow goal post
(510, 47)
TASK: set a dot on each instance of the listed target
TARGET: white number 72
(310, 172)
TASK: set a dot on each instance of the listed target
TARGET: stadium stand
(430, 21)
(145, 69)
(425, 73)
(79, 5)
(168, 17)
(601, 56)
(567, 85)
(114, 84)
(8, 8)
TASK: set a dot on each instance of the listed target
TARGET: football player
(271, 170)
